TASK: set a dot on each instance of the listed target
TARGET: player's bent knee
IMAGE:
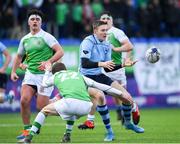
(25, 102)
(45, 111)
(127, 99)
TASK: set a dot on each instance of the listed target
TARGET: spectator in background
(142, 20)
(172, 16)
(129, 16)
(8, 21)
(62, 10)
(97, 8)
(155, 18)
(77, 19)
(87, 16)
(49, 9)
(3, 76)
(135, 17)
(140, 3)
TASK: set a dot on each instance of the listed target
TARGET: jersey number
(66, 76)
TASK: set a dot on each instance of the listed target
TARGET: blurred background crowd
(73, 18)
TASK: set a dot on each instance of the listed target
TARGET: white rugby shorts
(36, 80)
(72, 109)
(118, 75)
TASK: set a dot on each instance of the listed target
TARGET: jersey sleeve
(86, 48)
(21, 50)
(50, 40)
(120, 35)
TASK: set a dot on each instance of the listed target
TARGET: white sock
(38, 122)
(90, 117)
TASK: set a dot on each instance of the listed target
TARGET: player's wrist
(100, 64)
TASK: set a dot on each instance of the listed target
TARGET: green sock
(27, 127)
(69, 126)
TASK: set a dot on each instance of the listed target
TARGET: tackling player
(76, 101)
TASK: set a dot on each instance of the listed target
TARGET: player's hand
(128, 62)
(42, 65)
(48, 66)
(23, 66)
(14, 76)
(108, 64)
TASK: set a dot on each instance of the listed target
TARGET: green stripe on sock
(32, 133)
(36, 124)
(70, 122)
(68, 130)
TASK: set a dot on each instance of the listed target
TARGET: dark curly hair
(35, 12)
(58, 66)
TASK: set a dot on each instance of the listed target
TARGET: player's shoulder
(26, 36)
(89, 39)
(116, 30)
(46, 33)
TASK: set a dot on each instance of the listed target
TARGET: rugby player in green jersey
(39, 47)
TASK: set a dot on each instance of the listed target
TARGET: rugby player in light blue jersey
(95, 54)
(122, 47)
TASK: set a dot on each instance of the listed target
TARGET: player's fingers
(135, 62)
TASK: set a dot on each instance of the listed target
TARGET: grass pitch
(161, 126)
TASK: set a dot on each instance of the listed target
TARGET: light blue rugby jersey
(2, 48)
(95, 51)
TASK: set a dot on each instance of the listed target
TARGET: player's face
(101, 32)
(35, 22)
(107, 19)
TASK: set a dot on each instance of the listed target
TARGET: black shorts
(101, 78)
(3, 80)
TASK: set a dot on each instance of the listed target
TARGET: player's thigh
(41, 101)
(118, 75)
(27, 92)
(50, 110)
(40, 90)
(118, 86)
(36, 80)
(97, 96)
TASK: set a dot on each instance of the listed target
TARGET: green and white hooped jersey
(37, 48)
(71, 85)
(115, 36)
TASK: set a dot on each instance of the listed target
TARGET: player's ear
(95, 30)
(28, 23)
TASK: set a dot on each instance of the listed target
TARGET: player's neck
(35, 31)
